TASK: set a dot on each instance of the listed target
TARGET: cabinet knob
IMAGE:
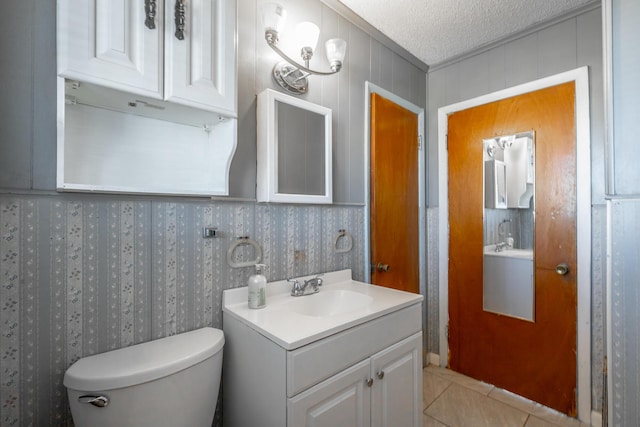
(369, 382)
(380, 375)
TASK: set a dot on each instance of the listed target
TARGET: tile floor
(454, 400)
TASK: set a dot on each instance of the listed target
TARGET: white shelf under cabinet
(103, 150)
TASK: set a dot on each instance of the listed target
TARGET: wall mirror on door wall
(509, 172)
(294, 150)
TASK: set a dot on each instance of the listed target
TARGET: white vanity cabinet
(136, 46)
(383, 390)
(367, 374)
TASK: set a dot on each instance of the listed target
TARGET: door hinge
(419, 142)
(446, 330)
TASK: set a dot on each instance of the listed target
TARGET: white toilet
(172, 381)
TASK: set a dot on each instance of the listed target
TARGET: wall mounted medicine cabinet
(294, 150)
(146, 96)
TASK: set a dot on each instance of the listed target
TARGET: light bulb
(273, 16)
(336, 49)
(307, 34)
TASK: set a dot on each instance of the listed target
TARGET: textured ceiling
(436, 30)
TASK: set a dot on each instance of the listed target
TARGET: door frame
(418, 111)
(583, 217)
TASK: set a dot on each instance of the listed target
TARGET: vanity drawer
(320, 360)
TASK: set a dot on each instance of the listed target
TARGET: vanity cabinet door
(200, 69)
(396, 399)
(342, 400)
(106, 42)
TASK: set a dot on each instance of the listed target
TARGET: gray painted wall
(624, 225)
(81, 274)
(561, 46)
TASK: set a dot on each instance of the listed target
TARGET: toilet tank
(172, 381)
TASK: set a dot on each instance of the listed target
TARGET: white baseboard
(433, 359)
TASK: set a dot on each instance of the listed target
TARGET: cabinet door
(107, 43)
(396, 399)
(342, 400)
(200, 68)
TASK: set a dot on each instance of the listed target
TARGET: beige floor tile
(458, 378)
(537, 422)
(539, 411)
(431, 422)
(460, 407)
(432, 387)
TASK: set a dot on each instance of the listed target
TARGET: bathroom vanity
(350, 355)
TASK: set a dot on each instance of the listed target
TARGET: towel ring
(244, 241)
(343, 233)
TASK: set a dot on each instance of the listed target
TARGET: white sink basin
(293, 322)
(328, 303)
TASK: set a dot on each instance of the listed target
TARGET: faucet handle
(297, 288)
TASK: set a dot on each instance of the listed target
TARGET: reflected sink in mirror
(509, 252)
(328, 303)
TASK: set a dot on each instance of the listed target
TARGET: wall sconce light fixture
(290, 74)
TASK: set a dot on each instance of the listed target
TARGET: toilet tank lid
(144, 362)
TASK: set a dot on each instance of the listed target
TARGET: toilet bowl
(172, 381)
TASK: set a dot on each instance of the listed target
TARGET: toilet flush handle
(95, 400)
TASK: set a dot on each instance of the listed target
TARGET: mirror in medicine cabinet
(294, 150)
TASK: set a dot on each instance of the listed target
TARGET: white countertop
(292, 330)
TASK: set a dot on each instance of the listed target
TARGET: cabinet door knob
(369, 382)
(380, 375)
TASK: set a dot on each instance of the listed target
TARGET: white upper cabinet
(106, 42)
(181, 51)
(200, 70)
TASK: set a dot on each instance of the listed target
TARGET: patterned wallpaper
(624, 300)
(81, 275)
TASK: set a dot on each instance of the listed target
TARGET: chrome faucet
(501, 246)
(307, 287)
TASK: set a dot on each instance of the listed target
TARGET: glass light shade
(273, 16)
(307, 34)
(336, 49)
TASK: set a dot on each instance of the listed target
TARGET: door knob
(562, 268)
(383, 268)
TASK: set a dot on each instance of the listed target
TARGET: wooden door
(394, 196)
(534, 359)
